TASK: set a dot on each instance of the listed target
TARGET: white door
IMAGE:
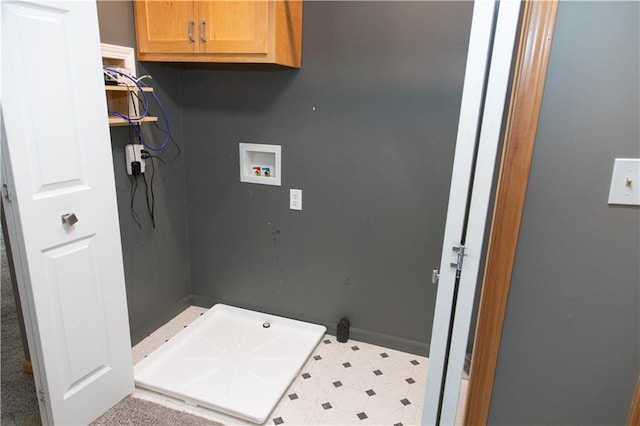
(57, 158)
(481, 117)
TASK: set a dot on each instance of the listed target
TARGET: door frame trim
(634, 412)
(534, 47)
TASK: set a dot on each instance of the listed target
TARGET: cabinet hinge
(435, 276)
(5, 192)
(42, 396)
(458, 264)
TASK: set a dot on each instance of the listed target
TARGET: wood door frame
(634, 412)
(534, 46)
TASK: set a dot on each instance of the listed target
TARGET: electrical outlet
(295, 199)
(132, 154)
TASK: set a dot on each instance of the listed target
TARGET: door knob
(69, 219)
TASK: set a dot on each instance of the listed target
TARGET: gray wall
(156, 262)
(570, 349)
(373, 160)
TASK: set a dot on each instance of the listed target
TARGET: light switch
(625, 182)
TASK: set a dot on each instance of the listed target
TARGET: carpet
(19, 405)
(139, 412)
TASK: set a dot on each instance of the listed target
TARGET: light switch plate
(625, 182)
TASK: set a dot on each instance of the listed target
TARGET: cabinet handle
(203, 24)
(191, 24)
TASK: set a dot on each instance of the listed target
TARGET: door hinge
(435, 276)
(42, 396)
(5, 192)
(458, 264)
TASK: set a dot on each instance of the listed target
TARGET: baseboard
(368, 336)
(388, 341)
(158, 321)
(205, 301)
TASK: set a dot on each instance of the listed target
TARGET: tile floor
(341, 384)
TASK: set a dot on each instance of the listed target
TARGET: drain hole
(266, 325)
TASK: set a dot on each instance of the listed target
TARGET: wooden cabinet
(237, 31)
(165, 27)
(234, 27)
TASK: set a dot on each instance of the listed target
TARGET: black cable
(173, 142)
(153, 197)
(133, 180)
(150, 203)
(149, 193)
(134, 187)
(131, 132)
(134, 95)
(135, 112)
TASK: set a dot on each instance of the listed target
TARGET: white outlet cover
(625, 182)
(295, 199)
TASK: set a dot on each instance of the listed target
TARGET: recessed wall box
(260, 163)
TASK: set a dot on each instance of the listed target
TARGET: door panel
(492, 120)
(71, 277)
(481, 116)
(51, 36)
(468, 125)
(234, 26)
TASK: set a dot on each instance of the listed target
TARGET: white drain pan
(232, 360)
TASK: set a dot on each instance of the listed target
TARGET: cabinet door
(233, 26)
(166, 26)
